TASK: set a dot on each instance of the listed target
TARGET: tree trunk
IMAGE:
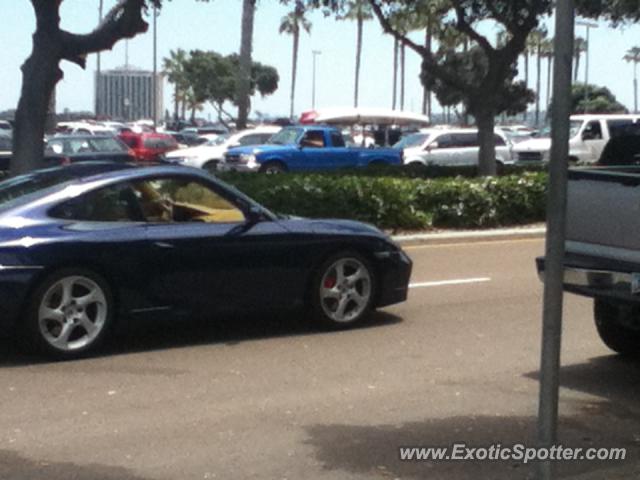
(402, 75)
(577, 63)
(395, 74)
(176, 100)
(538, 81)
(50, 124)
(246, 45)
(426, 94)
(485, 120)
(358, 58)
(526, 80)
(549, 71)
(40, 73)
(294, 68)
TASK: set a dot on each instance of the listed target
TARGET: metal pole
(154, 96)
(556, 221)
(315, 53)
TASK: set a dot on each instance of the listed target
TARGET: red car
(148, 146)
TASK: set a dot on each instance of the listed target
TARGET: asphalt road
(271, 398)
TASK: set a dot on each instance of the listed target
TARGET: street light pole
(154, 96)
(313, 82)
(588, 26)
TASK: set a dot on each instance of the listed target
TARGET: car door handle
(165, 245)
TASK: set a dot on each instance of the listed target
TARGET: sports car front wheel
(69, 314)
(343, 290)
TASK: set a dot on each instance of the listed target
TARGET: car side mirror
(432, 145)
(254, 215)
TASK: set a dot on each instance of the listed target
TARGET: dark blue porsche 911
(89, 244)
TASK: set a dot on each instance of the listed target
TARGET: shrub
(400, 202)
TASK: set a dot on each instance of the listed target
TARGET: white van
(449, 147)
(588, 135)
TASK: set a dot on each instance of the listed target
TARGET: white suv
(450, 147)
(210, 154)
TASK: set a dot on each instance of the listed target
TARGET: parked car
(6, 147)
(588, 136)
(449, 147)
(210, 154)
(602, 259)
(83, 128)
(149, 146)
(63, 150)
(307, 148)
(97, 242)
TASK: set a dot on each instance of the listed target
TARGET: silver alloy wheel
(72, 313)
(345, 290)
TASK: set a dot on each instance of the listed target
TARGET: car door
(209, 257)
(465, 149)
(438, 151)
(314, 151)
(593, 139)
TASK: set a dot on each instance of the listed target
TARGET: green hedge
(400, 203)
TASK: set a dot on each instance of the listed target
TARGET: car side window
(253, 139)
(465, 140)
(313, 139)
(444, 141)
(337, 140)
(620, 127)
(592, 131)
(173, 199)
(116, 203)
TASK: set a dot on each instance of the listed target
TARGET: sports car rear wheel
(69, 314)
(343, 290)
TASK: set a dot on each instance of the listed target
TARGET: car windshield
(286, 136)
(219, 140)
(71, 145)
(413, 140)
(574, 128)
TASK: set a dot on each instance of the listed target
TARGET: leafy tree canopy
(598, 100)
(214, 78)
(616, 11)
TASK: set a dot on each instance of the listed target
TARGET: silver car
(450, 147)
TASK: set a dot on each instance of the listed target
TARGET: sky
(188, 24)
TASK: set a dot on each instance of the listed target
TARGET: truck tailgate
(603, 213)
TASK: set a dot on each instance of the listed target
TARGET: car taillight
(65, 161)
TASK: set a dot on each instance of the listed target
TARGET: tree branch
(124, 20)
(465, 27)
(426, 55)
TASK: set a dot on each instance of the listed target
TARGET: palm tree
(244, 74)
(536, 37)
(579, 47)
(360, 11)
(173, 68)
(633, 56)
(546, 51)
(291, 24)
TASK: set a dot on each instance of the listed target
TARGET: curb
(452, 237)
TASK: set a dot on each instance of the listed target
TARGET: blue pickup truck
(306, 148)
